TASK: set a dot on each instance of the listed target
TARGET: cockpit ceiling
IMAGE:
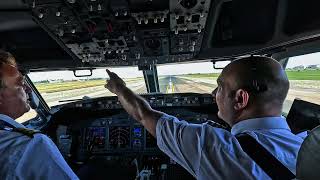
(95, 33)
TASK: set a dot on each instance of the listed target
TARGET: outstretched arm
(134, 104)
(178, 139)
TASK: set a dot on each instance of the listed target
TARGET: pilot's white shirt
(213, 153)
(22, 157)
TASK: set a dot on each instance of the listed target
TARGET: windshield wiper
(72, 100)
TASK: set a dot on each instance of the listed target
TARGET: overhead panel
(125, 33)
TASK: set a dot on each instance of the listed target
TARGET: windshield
(57, 87)
(192, 77)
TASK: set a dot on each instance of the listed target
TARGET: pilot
(249, 96)
(25, 154)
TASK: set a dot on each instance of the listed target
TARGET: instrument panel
(117, 132)
(155, 101)
(100, 134)
(120, 136)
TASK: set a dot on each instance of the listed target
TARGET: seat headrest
(308, 162)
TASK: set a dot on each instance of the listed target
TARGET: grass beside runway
(304, 75)
(292, 75)
(205, 75)
(68, 85)
(71, 85)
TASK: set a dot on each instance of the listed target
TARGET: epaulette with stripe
(26, 131)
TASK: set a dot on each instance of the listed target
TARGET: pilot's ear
(241, 99)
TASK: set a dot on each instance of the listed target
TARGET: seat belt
(266, 161)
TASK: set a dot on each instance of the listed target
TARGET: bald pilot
(250, 96)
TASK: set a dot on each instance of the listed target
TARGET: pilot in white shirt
(27, 155)
(24, 154)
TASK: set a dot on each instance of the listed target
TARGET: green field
(304, 75)
(292, 75)
(206, 75)
(70, 85)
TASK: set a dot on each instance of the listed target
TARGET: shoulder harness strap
(268, 163)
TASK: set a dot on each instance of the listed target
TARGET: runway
(178, 84)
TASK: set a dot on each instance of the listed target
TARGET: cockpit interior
(168, 51)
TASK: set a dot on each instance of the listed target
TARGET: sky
(305, 60)
(173, 69)
(127, 72)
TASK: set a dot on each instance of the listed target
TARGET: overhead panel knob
(162, 19)
(34, 4)
(139, 20)
(146, 20)
(201, 13)
(199, 28)
(40, 15)
(176, 30)
(60, 32)
(191, 48)
(185, 28)
(137, 55)
(188, 17)
(71, 1)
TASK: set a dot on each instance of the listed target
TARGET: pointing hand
(115, 83)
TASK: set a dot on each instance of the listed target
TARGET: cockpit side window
(304, 76)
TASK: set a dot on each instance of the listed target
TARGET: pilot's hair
(264, 79)
(5, 58)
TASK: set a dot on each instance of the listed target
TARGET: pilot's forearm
(139, 109)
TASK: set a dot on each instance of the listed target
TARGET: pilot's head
(251, 87)
(13, 90)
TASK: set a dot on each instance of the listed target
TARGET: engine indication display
(137, 131)
(119, 137)
(95, 138)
